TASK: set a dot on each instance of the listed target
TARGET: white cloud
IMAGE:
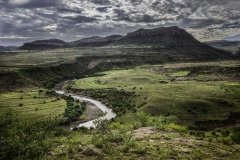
(50, 28)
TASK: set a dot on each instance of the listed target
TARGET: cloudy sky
(27, 20)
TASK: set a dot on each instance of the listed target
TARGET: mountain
(162, 37)
(95, 41)
(7, 48)
(173, 39)
(56, 43)
(159, 37)
(2, 48)
(170, 41)
(44, 44)
(231, 46)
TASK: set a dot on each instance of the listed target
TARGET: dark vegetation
(119, 100)
(232, 119)
(74, 108)
(37, 140)
(26, 140)
(73, 111)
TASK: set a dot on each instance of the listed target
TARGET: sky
(27, 20)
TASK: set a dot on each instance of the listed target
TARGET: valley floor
(167, 111)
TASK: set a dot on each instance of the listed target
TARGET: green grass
(38, 58)
(187, 96)
(180, 73)
(31, 104)
(191, 91)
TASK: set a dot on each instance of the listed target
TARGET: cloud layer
(27, 20)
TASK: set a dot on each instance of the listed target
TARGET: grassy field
(149, 100)
(32, 104)
(37, 58)
(147, 129)
(192, 91)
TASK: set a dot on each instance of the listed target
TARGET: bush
(140, 149)
(226, 133)
(227, 140)
(177, 127)
(236, 136)
(72, 112)
(49, 85)
(26, 140)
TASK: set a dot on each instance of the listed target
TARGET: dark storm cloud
(102, 9)
(101, 2)
(121, 15)
(82, 19)
(66, 10)
(200, 23)
(25, 20)
(230, 25)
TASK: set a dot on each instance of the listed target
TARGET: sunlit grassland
(170, 89)
(32, 104)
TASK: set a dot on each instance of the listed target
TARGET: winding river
(109, 114)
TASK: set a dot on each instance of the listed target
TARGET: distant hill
(231, 46)
(56, 43)
(174, 41)
(43, 44)
(95, 41)
(2, 48)
(7, 48)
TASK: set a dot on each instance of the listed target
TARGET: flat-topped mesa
(161, 37)
(44, 44)
(161, 31)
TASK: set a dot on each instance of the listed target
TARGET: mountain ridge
(166, 39)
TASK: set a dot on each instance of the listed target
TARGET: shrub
(140, 149)
(226, 133)
(227, 140)
(49, 85)
(236, 136)
(72, 112)
(26, 140)
(177, 127)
